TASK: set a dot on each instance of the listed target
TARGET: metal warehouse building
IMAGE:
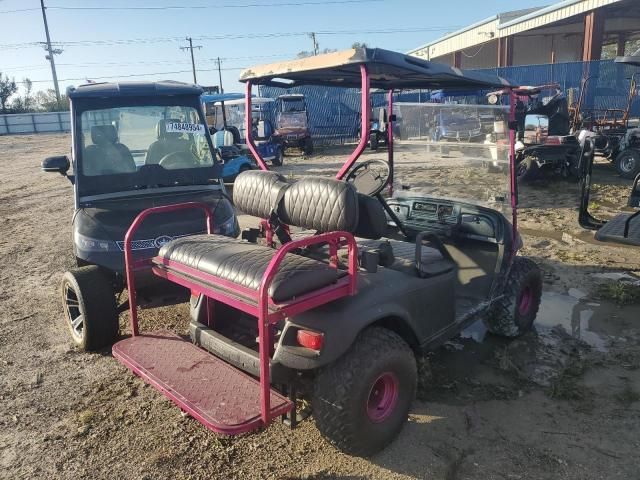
(569, 31)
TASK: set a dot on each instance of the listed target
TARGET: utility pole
(224, 110)
(220, 75)
(312, 35)
(50, 53)
(193, 62)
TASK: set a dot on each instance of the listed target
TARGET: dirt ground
(560, 402)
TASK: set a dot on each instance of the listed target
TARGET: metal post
(390, 142)
(248, 127)
(50, 51)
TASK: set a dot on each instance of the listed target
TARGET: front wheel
(89, 304)
(361, 401)
(514, 313)
(627, 163)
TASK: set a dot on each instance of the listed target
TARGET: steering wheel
(177, 160)
(370, 177)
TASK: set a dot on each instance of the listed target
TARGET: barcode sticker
(178, 127)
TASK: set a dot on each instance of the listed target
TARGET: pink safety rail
(131, 265)
(255, 303)
(512, 167)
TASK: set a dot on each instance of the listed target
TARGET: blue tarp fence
(334, 112)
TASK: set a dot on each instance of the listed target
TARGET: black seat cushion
(245, 263)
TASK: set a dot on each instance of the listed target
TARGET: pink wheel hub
(383, 397)
(526, 299)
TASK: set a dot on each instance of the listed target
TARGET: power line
(200, 7)
(136, 75)
(151, 40)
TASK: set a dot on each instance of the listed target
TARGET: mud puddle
(595, 323)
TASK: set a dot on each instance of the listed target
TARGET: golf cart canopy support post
(390, 141)
(365, 118)
(249, 127)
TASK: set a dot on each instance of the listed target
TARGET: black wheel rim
(73, 312)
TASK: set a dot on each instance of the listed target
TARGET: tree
(24, 103)
(7, 88)
(359, 45)
(46, 101)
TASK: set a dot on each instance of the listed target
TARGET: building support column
(505, 51)
(593, 33)
(457, 59)
(622, 41)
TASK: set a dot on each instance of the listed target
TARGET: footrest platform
(223, 398)
(613, 230)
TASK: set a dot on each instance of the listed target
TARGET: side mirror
(393, 118)
(58, 164)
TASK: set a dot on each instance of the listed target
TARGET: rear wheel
(627, 163)
(307, 147)
(90, 309)
(373, 141)
(513, 315)
(279, 158)
(361, 401)
(527, 170)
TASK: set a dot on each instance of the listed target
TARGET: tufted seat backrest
(255, 192)
(321, 204)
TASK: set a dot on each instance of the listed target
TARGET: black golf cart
(342, 283)
(134, 146)
(544, 141)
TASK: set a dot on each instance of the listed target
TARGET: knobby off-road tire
(89, 305)
(361, 401)
(514, 314)
(527, 170)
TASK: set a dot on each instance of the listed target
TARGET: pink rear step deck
(220, 396)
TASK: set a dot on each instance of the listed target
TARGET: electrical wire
(198, 7)
(152, 40)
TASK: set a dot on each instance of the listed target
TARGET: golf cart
(292, 122)
(134, 146)
(225, 137)
(627, 156)
(339, 287)
(610, 124)
(543, 134)
(625, 227)
(233, 112)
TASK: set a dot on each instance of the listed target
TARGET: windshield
(292, 120)
(131, 148)
(470, 165)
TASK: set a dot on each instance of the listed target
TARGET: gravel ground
(557, 403)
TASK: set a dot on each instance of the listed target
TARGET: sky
(141, 39)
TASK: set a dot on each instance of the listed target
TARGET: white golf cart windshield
(134, 147)
(457, 152)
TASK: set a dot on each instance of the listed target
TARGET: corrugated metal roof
(509, 23)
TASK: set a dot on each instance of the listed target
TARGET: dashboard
(447, 217)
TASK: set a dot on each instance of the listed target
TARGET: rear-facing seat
(320, 204)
